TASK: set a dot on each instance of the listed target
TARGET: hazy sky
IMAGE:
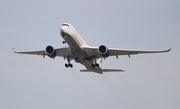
(150, 81)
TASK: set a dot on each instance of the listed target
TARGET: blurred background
(149, 81)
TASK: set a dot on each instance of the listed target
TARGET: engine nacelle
(50, 51)
(103, 50)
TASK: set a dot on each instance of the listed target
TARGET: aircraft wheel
(97, 65)
(66, 65)
(64, 42)
(70, 65)
(93, 65)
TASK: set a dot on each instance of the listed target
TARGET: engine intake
(103, 50)
(50, 51)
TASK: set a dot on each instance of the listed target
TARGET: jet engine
(50, 51)
(103, 50)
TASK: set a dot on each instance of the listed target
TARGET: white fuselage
(76, 44)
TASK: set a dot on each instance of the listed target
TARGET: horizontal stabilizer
(85, 70)
(104, 70)
(113, 70)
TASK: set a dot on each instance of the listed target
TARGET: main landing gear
(68, 64)
(95, 65)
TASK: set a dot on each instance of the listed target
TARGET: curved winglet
(13, 50)
(169, 49)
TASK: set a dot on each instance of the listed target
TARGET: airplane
(80, 52)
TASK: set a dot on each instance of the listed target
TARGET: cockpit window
(65, 25)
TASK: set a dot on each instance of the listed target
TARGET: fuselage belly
(76, 44)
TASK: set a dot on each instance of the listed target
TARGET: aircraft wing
(62, 52)
(93, 51)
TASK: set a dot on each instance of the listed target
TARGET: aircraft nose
(65, 27)
(61, 31)
(62, 28)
